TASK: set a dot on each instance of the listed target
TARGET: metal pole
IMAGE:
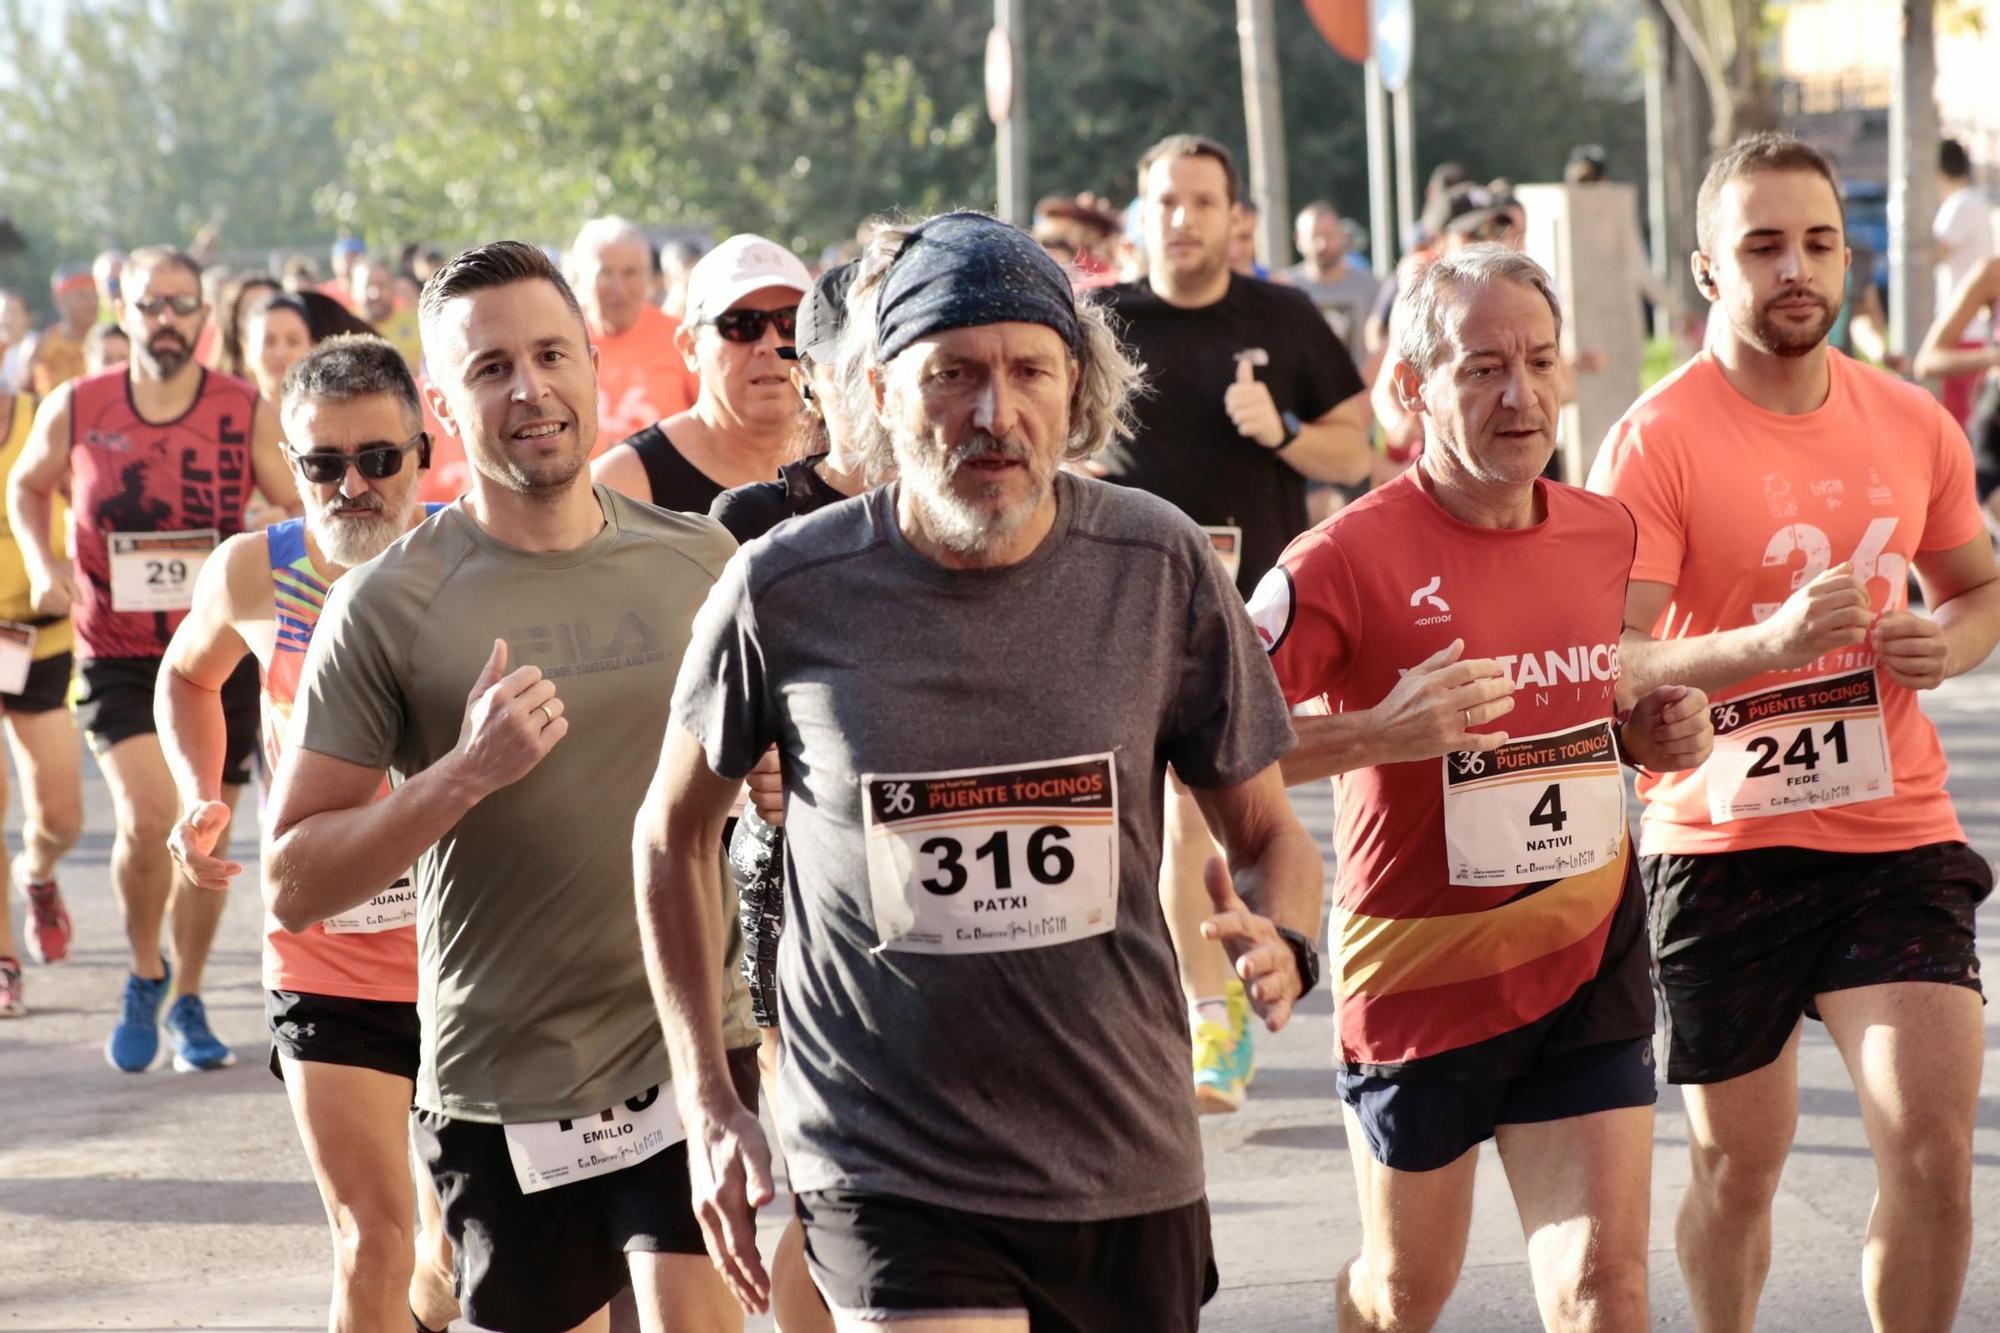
(1406, 160)
(1656, 178)
(1913, 140)
(1382, 231)
(1264, 117)
(1012, 140)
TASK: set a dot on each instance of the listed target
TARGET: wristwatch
(1305, 956)
(1292, 426)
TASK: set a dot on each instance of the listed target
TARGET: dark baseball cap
(822, 315)
(1465, 208)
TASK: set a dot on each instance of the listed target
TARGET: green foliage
(465, 119)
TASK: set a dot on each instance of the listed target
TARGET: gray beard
(352, 540)
(948, 518)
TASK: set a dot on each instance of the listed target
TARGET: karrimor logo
(1429, 593)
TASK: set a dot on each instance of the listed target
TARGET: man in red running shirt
(1488, 948)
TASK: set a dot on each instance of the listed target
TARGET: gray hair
(1421, 333)
(600, 232)
(352, 365)
(1100, 409)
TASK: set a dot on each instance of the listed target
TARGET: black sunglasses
(180, 305)
(376, 464)
(747, 326)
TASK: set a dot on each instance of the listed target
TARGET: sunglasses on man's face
(376, 464)
(154, 305)
(747, 326)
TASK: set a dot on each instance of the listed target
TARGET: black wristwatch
(1292, 426)
(1305, 956)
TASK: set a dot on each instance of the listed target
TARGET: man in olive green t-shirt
(510, 664)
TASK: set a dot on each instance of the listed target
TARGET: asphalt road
(165, 1201)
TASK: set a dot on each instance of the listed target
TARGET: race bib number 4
(155, 571)
(1809, 746)
(1542, 807)
(549, 1153)
(983, 860)
(391, 909)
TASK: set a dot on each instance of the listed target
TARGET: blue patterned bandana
(965, 269)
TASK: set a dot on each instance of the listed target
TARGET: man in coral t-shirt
(641, 376)
(1814, 865)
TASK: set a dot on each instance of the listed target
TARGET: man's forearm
(336, 860)
(1710, 663)
(1284, 879)
(1333, 744)
(1335, 451)
(1971, 625)
(194, 734)
(679, 897)
(28, 511)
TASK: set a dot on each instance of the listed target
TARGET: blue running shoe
(1243, 1057)
(195, 1048)
(136, 1040)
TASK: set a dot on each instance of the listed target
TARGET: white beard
(952, 520)
(351, 539)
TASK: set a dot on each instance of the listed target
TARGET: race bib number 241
(1811, 745)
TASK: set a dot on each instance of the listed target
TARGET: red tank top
(130, 475)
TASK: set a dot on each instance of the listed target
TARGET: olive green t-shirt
(531, 986)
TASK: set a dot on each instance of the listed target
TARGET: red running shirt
(128, 474)
(1421, 965)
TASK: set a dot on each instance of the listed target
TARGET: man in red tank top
(159, 458)
(1488, 943)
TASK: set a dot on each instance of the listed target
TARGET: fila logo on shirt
(1428, 595)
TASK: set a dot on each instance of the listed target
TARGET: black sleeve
(1325, 373)
(750, 511)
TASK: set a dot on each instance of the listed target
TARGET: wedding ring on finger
(547, 716)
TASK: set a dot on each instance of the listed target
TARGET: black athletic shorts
(335, 1030)
(1744, 941)
(115, 703)
(545, 1262)
(881, 1257)
(46, 689)
(1418, 1123)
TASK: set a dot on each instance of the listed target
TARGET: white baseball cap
(739, 266)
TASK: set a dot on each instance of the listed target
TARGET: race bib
(1810, 746)
(391, 909)
(155, 571)
(1228, 544)
(1541, 807)
(17, 654)
(548, 1153)
(984, 860)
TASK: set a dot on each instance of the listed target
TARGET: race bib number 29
(1807, 746)
(984, 860)
(155, 571)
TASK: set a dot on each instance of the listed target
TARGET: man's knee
(377, 1245)
(1401, 1291)
(59, 823)
(1604, 1292)
(1930, 1164)
(1739, 1178)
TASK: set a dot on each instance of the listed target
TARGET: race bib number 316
(983, 860)
(1541, 807)
(1807, 746)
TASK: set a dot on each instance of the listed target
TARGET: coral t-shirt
(1737, 507)
(641, 377)
(1478, 893)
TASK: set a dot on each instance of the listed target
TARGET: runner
(742, 310)
(340, 996)
(1341, 289)
(56, 355)
(1251, 396)
(17, 323)
(158, 458)
(1814, 865)
(1950, 349)
(539, 1040)
(983, 1107)
(35, 667)
(641, 375)
(829, 468)
(374, 293)
(1489, 938)
(107, 346)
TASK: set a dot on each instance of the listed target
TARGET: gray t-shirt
(1036, 1080)
(531, 986)
(1345, 301)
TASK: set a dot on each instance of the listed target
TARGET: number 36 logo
(1872, 559)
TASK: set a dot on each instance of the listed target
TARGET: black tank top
(675, 482)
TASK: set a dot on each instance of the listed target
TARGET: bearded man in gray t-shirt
(508, 665)
(975, 679)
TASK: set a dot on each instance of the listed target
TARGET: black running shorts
(885, 1258)
(335, 1030)
(46, 689)
(1744, 941)
(545, 1262)
(1415, 1122)
(115, 703)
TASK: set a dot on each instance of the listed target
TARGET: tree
(1722, 37)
